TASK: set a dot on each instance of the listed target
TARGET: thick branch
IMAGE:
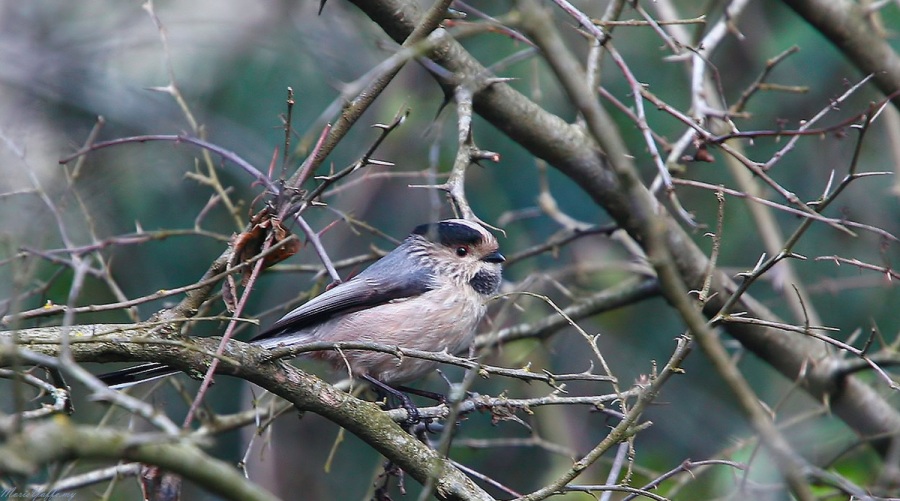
(306, 392)
(846, 25)
(58, 439)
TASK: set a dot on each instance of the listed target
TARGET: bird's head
(464, 250)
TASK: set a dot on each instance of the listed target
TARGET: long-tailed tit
(428, 294)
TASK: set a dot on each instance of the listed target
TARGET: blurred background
(64, 64)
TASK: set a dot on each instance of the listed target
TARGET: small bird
(427, 294)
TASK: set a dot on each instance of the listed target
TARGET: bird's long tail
(131, 376)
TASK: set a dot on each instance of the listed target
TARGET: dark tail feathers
(138, 374)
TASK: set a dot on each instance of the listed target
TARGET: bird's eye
(462, 251)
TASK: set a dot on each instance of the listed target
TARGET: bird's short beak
(494, 257)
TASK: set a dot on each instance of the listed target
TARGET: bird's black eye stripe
(450, 234)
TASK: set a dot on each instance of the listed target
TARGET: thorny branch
(669, 267)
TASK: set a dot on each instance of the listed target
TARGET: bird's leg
(437, 397)
(387, 391)
(428, 426)
(382, 491)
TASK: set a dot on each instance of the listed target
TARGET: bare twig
(180, 138)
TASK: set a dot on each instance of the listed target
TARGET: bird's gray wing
(378, 284)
